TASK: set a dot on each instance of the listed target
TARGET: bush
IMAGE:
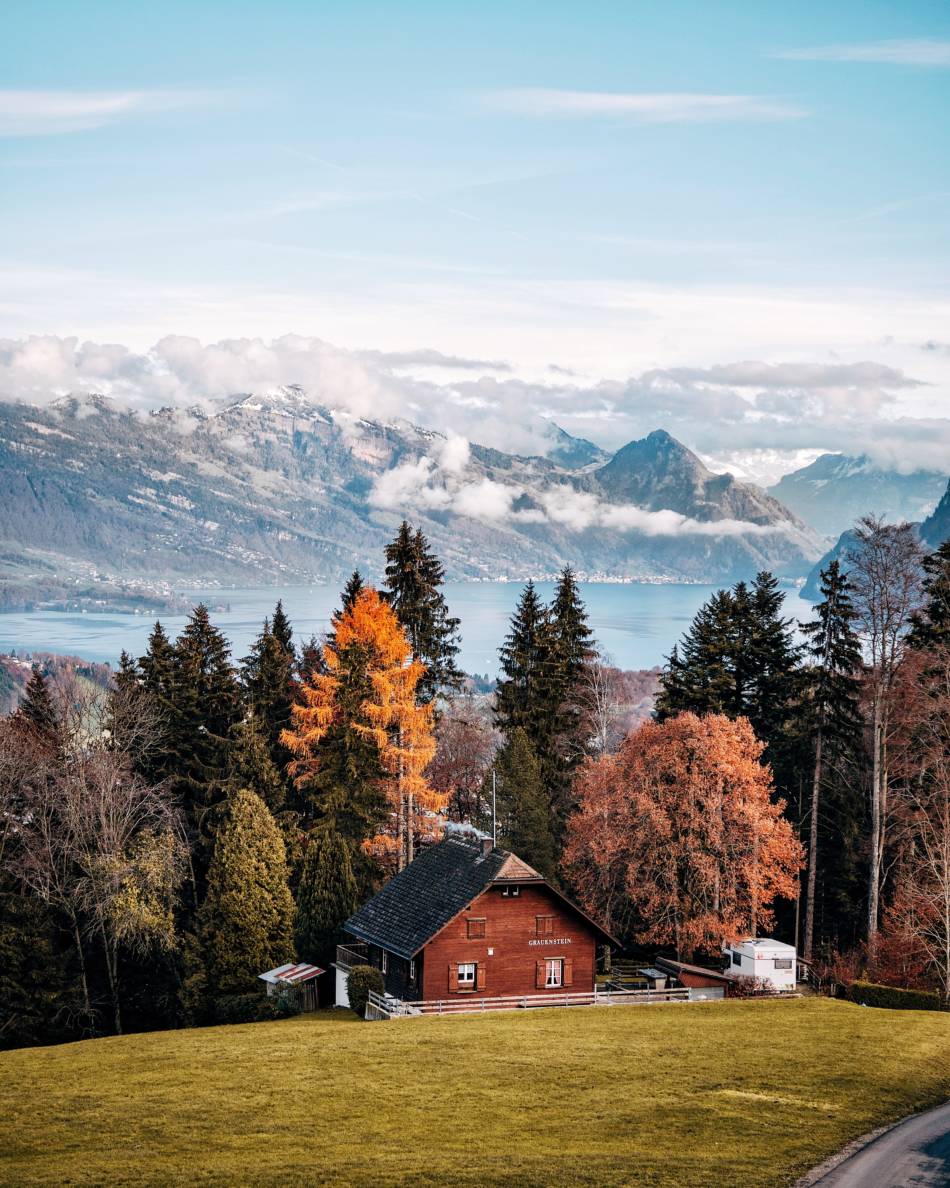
(746, 987)
(360, 980)
(254, 1008)
(892, 997)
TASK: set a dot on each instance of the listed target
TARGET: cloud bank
(753, 415)
(443, 483)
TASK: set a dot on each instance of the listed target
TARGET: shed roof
(432, 890)
(676, 967)
(291, 974)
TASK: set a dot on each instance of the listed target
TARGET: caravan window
(736, 958)
(783, 963)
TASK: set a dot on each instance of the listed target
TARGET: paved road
(915, 1154)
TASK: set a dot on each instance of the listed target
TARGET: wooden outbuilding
(466, 919)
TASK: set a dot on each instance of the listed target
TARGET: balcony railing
(355, 953)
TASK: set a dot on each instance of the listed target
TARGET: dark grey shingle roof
(419, 901)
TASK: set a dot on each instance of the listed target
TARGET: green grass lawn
(679, 1095)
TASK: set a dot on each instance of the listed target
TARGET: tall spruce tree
(531, 695)
(523, 821)
(832, 715)
(37, 709)
(205, 706)
(267, 674)
(930, 628)
(327, 896)
(737, 658)
(246, 919)
(414, 580)
(249, 765)
(700, 675)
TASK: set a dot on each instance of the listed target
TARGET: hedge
(360, 980)
(870, 994)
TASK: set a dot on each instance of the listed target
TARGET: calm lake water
(636, 626)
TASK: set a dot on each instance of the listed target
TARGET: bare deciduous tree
(884, 567)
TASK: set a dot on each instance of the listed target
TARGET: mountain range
(274, 488)
(836, 490)
(933, 531)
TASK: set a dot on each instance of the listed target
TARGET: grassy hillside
(656, 1095)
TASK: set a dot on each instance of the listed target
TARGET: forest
(207, 818)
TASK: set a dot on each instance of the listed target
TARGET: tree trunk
(113, 979)
(874, 871)
(813, 851)
(77, 937)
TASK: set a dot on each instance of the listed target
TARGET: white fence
(380, 1007)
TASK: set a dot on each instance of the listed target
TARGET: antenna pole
(494, 818)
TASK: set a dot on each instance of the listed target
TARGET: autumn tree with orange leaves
(677, 839)
(361, 739)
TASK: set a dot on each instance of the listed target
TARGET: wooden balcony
(354, 953)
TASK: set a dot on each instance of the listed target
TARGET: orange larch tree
(361, 729)
(678, 834)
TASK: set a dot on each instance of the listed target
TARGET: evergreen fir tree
(326, 896)
(523, 815)
(832, 717)
(931, 627)
(700, 675)
(157, 666)
(249, 765)
(572, 633)
(205, 706)
(35, 995)
(521, 694)
(531, 694)
(269, 683)
(37, 709)
(246, 919)
(414, 577)
(354, 584)
(281, 628)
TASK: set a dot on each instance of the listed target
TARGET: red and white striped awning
(291, 974)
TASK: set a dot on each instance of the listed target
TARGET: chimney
(486, 845)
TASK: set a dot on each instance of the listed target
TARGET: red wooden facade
(522, 932)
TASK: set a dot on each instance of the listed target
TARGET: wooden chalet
(468, 920)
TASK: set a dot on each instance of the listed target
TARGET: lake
(635, 625)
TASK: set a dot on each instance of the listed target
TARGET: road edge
(818, 1173)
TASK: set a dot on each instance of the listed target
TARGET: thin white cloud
(46, 113)
(645, 107)
(921, 51)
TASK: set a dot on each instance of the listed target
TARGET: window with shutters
(467, 975)
(545, 925)
(476, 929)
(553, 973)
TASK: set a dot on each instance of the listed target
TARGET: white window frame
(412, 969)
(384, 961)
(467, 974)
(553, 973)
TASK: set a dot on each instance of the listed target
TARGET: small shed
(295, 979)
(701, 982)
(764, 959)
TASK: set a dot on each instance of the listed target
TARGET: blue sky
(611, 188)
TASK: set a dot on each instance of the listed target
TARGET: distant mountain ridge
(277, 488)
(835, 490)
(934, 530)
